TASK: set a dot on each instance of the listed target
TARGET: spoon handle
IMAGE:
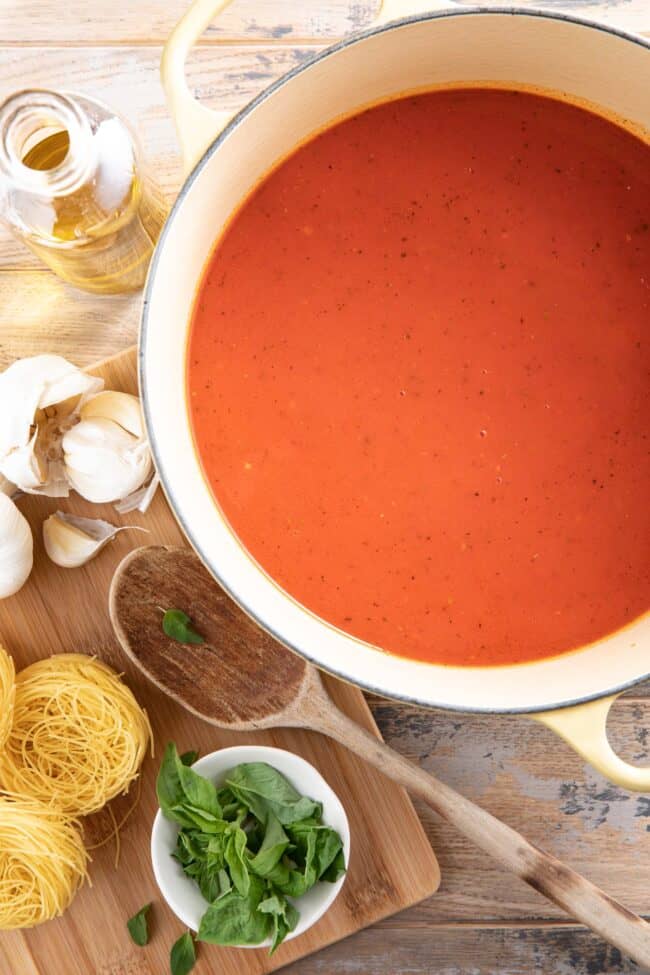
(574, 893)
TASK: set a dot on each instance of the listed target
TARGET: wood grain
(422, 950)
(522, 773)
(286, 21)
(392, 864)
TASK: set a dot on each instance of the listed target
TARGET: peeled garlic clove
(122, 408)
(16, 548)
(71, 541)
(39, 398)
(103, 461)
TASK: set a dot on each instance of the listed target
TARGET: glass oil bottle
(74, 189)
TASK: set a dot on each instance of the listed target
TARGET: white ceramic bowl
(180, 891)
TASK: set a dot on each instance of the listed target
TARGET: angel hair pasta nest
(78, 735)
(42, 862)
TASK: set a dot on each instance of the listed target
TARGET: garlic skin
(16, 548)
(71, 541)
(40, 398)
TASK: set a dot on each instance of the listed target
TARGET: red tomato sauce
(418, 376)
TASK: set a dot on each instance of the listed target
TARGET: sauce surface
(418, 376)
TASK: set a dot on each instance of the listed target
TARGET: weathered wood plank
(520, 772)
(43, 22)
(426, 950)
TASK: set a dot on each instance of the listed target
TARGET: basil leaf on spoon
(178, 626)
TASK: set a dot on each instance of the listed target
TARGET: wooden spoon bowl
(239, 678)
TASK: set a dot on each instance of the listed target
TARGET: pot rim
(235, 122)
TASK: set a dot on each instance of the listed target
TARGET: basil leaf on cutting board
(189, 758)
(182, 956)
(178, 626)
(138, 928)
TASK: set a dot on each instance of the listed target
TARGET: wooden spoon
(243, 679)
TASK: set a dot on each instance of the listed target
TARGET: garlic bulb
(16, 548)
(106, 454)
(71, 541)
(40, 398)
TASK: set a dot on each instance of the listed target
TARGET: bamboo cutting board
(392, 864)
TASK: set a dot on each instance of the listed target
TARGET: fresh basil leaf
(327, 845)
(274, 844)
(193, 818)
(236, 859)
(168, 785)
(235, 920)
(182, 957)
(184, 795)
(137, 926)
(230, 805)
(212, 883)
(199, 791)
(178, 626)
(225, 883)
(336, 868)
(189, 758)
(263, 789)
(284, 917)
(273, 904)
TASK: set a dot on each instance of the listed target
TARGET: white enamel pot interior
(550, 52)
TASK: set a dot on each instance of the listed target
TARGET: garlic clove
(122, 408)
(103, 461)
(87, 444)
(71, 541)
(16, 548)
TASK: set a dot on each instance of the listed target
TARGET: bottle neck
(27, 119)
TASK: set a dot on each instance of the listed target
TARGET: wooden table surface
(481, 921)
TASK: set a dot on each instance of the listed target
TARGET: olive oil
(76, 192)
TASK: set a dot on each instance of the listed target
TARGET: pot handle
(584, 727)
(196, 125)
